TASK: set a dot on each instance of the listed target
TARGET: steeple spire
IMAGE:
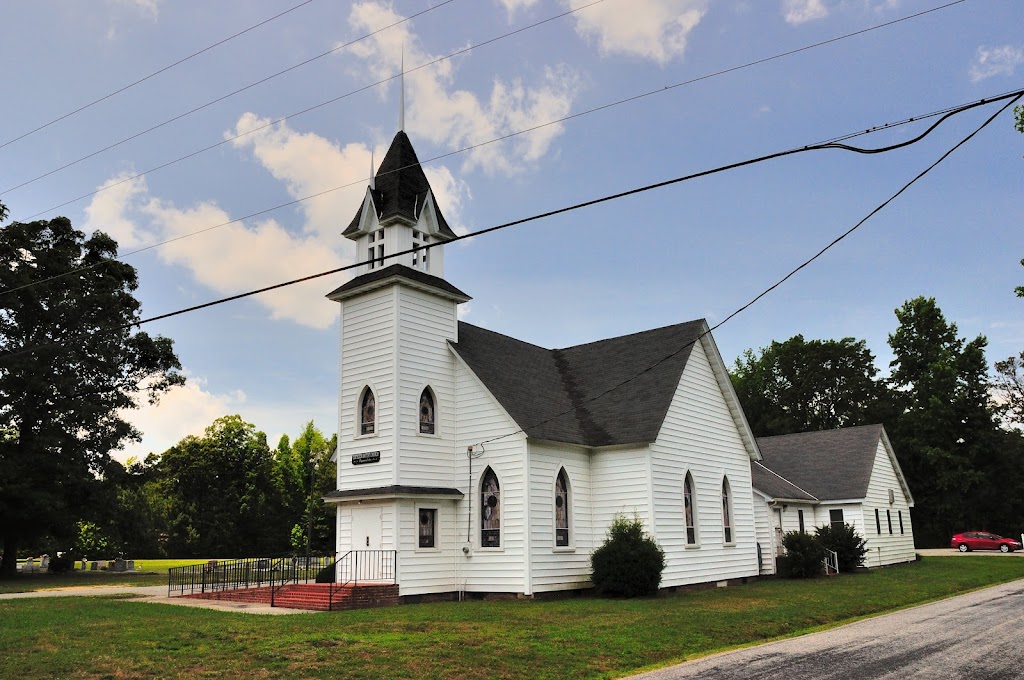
(401, 95)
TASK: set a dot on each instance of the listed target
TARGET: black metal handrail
(246, 572)
(367, 566)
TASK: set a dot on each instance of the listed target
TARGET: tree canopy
(71, 360)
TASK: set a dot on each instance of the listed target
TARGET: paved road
(978, 635)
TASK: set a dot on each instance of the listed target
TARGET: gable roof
(559, 395)
(400, 189)
(771, 484)
(831, 464)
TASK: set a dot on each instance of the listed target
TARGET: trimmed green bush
(326, 575)
(805, 554)
(629, 563)
(849, 546)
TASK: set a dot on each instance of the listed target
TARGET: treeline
(956, 430)
(223, 494)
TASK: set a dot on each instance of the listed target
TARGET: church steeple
(399, 213)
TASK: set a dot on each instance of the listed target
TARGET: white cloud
(463, 311)
(996, 61)
(184, 410)
(651, 29)
(458, 118)
(801, 11)
(106, 212)
(512, 6)
(148, 8)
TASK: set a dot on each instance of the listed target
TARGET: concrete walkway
(157, 594)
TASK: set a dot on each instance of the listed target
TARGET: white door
(366, 528)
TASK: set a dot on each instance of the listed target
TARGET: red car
(982, 540)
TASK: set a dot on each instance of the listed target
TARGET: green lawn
(151, 573)
(581, 637)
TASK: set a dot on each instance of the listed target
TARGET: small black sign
(366, 457)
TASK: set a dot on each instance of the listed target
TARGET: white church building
(484, 464)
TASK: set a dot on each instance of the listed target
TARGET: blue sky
(698, 249)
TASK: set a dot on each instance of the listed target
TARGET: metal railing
(246, 572)
(363, 566)
(831, 562)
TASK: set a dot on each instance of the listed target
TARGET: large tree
(71, 361)
(946, 434)
(801, 385)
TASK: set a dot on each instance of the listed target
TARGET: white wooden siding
(620, 483)
(554, 567)
(367, 358)
(885, 548)
(425, 324)
(480, 417)
(388, 518)
(700, 435)
(765, 533)
(428, 570)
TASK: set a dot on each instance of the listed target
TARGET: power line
(775, 285)
(153, 74)
(226, 96)
(637, 97)
(877, 128)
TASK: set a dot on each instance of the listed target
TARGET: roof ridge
(629, 335)
(845, 428)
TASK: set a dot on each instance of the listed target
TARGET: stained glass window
(367, 412)
(427, 412)
(490, 511)
(726, 519)
(561, 509)
(428, 518)
(691, 525)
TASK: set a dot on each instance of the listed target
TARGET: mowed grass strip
(581, 638)
(152, 573)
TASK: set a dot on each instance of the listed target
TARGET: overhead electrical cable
(153, 74)
(226, 96)
(771, 288)
(632, 98)
(945, 113)
(611, 197)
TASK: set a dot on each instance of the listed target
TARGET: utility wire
(775, 285)
(1015, 97)
(226, 96)
(557, 121)
(877, 128)
(153, 74)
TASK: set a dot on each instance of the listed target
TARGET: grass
(153, 573)
(581, 637)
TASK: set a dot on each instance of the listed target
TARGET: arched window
(689, 510)
(490, 510)
(427, 411)
(367, 412)
(726, 511)
(562, 509)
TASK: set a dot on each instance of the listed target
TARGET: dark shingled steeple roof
(831, 464)
(400, 189)
(534, 384)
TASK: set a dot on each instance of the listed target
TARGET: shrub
(326, 575)
(62, 563)
(849, 546)
(805, 554)
(629, 563)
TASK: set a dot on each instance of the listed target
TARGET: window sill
(428, 551)
(428, 436)
(491, 550)
(365, 436)
(564, 549)
(729, 545)
(692, 546)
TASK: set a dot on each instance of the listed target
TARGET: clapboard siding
(344, 532)
(480, 417)
(426, 324)
(700, 435)
(620, 484)
(885, 548)
(367, 358)
(765, 533)
(428, 570)
(553, 567)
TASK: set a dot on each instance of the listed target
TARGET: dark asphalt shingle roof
(535, 385)
(768, 482)
(400, 188)
(402, 271)
(831, 465)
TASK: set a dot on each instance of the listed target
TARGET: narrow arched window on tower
(562, 509)
(426, 411)
(490, 511)
(367, 412)
(688, 510)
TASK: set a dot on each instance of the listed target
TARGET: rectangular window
(428, 521)
(800, 518)
(878, 523)
(888, 518)
(835, 518)
(900, 512)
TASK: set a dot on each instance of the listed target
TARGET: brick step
(312, 596)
